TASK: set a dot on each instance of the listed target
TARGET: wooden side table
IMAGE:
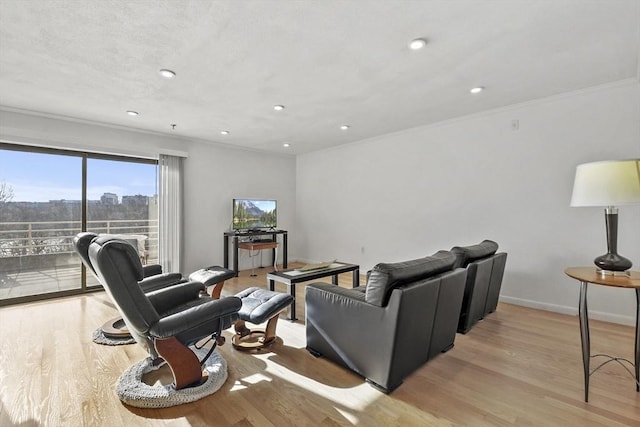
(588, 275)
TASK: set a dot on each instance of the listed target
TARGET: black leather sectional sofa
(485, 268)
(407, 313)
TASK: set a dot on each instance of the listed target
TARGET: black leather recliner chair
(165, 321)
(154, 279)
(485, 269)
(406, 315)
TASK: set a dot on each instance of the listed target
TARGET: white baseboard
(596, 315)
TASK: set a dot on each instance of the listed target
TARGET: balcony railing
(50, 242)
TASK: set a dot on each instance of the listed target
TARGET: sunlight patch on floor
(242, 383)
(347, 415)
(360, 396)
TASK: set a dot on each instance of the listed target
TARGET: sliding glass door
(40, 212)
(48, 196)
(122, 200)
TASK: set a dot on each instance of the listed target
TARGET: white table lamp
(608, 184)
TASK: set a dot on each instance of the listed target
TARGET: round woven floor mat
(99, 338)
(133, 391)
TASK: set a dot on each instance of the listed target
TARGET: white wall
(214, 175)
(411, 193)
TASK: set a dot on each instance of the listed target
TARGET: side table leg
(637, 349)
(235, 254)
(584, 337)
(226, 251)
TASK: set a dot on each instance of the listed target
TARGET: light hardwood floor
(518, 366)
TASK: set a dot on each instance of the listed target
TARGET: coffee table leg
(356, 277)
(272, 284)
(584, 337)
(334, 279)
(292, 306)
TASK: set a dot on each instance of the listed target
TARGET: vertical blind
(170, 211)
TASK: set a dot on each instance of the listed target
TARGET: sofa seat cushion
(466, 254)
(384, 277)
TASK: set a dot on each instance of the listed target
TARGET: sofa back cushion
(467, 254)
(384, 277)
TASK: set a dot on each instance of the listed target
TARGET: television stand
(270, 234)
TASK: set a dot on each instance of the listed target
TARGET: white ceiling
(330, 62)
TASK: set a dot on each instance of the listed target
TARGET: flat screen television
(254, 214)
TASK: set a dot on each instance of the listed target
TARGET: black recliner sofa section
(485, 269)
(406, 315)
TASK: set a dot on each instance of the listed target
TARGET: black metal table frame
(311, 275)
(586, 343)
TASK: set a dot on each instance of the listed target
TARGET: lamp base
(612, 262)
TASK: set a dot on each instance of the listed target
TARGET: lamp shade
(607, 183)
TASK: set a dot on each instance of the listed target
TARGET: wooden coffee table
(291, 277)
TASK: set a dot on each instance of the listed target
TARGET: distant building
(109, 199)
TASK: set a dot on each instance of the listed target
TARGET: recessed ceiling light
(477, 89)
(286, 145)
(132, 113)
(278, 107)
(167, 74)
(344, 127)
(417, 44)
(225, 132)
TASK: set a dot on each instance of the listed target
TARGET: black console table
(259, 235)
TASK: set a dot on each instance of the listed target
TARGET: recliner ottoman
(258, 306)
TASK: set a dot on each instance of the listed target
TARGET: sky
(38, 177)
(264, 205)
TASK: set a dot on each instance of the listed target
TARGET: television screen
(251, 214)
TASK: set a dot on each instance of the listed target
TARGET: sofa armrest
(172, 296)
(356, 293)
(343, 327)
(383, 344)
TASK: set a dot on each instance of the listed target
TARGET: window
(47, 196)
